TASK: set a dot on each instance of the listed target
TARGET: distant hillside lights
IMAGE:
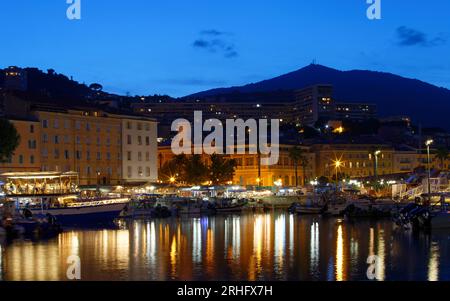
(74, 10)
(214, 142)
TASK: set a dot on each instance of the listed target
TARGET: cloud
(412, 37)
(212, 32)
(213, 44)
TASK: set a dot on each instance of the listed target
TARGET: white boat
(79, 213)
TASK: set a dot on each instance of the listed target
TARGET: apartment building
(139, 149)
(85, 141)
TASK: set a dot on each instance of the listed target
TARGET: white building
(139, 150)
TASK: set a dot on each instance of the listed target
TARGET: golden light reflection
(433, 263)
(173, 256)
(258, 230)
(340, 255)
(380, 272)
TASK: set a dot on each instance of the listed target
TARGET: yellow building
(247, 170)
(27, 156)
(355, 160)
(85, 141)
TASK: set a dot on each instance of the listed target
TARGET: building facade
(26, 157)
(139, 148)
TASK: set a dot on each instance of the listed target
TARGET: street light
(337, 165)
(172, 180)
(375, 166)
(428, 143)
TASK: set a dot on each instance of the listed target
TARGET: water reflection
(267, 246)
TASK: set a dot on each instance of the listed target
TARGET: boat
(145, 206)
(424, 215)
(56, 194)
(227, 205)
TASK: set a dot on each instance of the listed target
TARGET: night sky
(180, 47)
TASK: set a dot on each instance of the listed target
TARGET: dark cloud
(213, 44)
(212, 32)
(412, 37)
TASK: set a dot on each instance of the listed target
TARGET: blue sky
(181, 47)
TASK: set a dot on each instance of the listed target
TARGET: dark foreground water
(268, 246)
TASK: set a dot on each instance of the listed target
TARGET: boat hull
(84, 215)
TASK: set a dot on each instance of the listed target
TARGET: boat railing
(98, 202)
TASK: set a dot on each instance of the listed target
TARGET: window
(88, 170)
(78, 155)
(98, 140)
(32, 144)
(66, 154)
(139, 140)
(98, 128)
(129, 172)
(56, 140)
(147, 171)
(147, 140)
(45, 124)
(129, 139)
(129, 125)
(139, 126)
(147, 127)
(99, 156)
(31, 159)
(77, 125)
(88, 155)
(108, 156)
(56, 153)
(139, 156)
(78, 140)
(66, 124)
(147, 156)
(140, 171)
(129, 156)
(44, 138)
(108, 141)
(88, 126)
(32, 128)
(20, 159)
(56, 123)
(44, 153)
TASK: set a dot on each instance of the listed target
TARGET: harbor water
(254, 246)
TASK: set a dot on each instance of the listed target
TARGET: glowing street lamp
(337, 165)
(258, 181)
(278, 183)
(172, 180)
(375, 155)
(428, 144)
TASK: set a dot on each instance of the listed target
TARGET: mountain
(393, 94)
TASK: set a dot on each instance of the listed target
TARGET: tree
(296, 154)
(442, 154)
(96, 87)
(195, 171)
(221, 169)
(9, 140)
(174, 169)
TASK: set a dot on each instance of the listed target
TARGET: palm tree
(296, 154)
(442, 154)
(195, 171)
(221, 169)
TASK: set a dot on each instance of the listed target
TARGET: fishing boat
(229, 205)
(56, 195)
(145, 206)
